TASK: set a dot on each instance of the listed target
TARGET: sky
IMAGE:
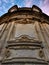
(5, 5)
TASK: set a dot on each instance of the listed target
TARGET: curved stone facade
(24, 37)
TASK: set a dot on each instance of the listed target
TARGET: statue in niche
(41, 53)
(7, 53)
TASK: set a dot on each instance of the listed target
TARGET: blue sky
(6, 4)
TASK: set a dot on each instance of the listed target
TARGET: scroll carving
(26, 38)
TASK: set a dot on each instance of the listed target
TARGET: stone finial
(14, 8)
(36, 8)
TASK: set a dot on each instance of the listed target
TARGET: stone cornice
(24, 11)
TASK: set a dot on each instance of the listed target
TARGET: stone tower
(24, 37)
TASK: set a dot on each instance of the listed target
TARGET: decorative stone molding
(25, 38)
(15, 11)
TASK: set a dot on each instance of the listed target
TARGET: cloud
(45, 7)
(12, 2)
(19, 6)
(6, 1)
(6, 4)
(0, 1)
(46, 1)
(4, 8)
(0, 8)
(28, 3)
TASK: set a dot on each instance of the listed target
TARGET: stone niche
(25, 30)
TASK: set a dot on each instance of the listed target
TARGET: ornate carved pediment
(26, 38)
